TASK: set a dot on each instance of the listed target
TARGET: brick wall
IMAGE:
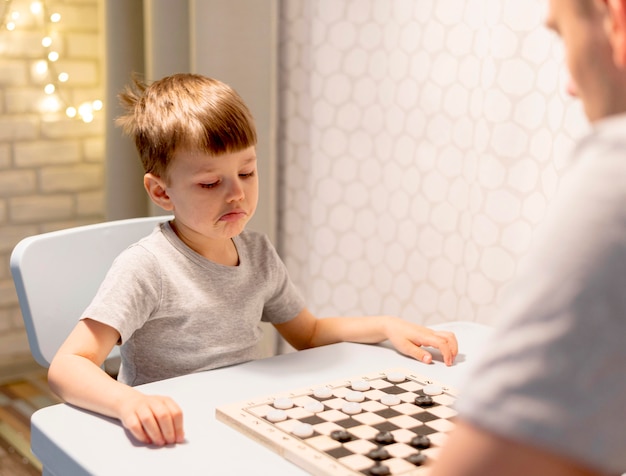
(51, 166)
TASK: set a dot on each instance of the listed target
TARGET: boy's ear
(617, 33)
(155, 186)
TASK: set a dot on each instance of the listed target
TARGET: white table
(71, 442)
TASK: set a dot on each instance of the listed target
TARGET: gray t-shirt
(554, 375)
(179, 313)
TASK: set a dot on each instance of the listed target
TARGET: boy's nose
(235, 192)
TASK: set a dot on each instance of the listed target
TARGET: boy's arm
(305, 331)
(75, 375)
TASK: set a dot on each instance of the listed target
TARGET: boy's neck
(222, 252)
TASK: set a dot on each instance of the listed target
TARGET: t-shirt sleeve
(284, 301)
(129, 293)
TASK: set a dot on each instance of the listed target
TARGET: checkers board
(391, 422)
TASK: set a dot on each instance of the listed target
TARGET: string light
(46, 68)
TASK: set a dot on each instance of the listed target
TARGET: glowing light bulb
(36, 8)
(41, 68)
(53, 56)
(50, 104)
(71, 112)
(55, 17)
(63, 77)
(10, 26)
(84, 109)
(85, 112)
(49, 88)
(46, 41)
(97, 105)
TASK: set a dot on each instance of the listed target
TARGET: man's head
(184, 112)
(594, 36)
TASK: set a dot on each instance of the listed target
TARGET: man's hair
(184, 112)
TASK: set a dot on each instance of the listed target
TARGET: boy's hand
(408, 338)
(153, 419)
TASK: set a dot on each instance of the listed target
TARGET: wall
(51, 167)
(422, 141)
(236, 41)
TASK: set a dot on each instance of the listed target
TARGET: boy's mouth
(233, 215)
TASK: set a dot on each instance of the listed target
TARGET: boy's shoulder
(252, 236)
(256, 243)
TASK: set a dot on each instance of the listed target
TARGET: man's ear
(617, 30)
(155, 186)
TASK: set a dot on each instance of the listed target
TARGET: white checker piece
(322, 392)
(355, 396)
(283, 403)
(360, 385)
(314, 413)
(303, 430)
(351, 408)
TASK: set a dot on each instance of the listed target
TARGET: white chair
(57, 274)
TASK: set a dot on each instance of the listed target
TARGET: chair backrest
(57, 274)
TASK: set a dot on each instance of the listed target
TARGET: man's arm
(471, 451)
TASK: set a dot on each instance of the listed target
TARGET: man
(549, 395)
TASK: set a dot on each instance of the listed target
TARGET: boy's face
(213, 196)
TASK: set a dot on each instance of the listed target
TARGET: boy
(548, 398)
(190, 296)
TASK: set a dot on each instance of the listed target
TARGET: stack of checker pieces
(392, 422)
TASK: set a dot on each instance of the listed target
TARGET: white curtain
(421, 141)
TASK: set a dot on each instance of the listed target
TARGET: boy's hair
(184, 112)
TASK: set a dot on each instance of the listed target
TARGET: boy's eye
(250, 174)
(209, 185)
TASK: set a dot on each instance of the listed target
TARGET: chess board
(391, 422)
